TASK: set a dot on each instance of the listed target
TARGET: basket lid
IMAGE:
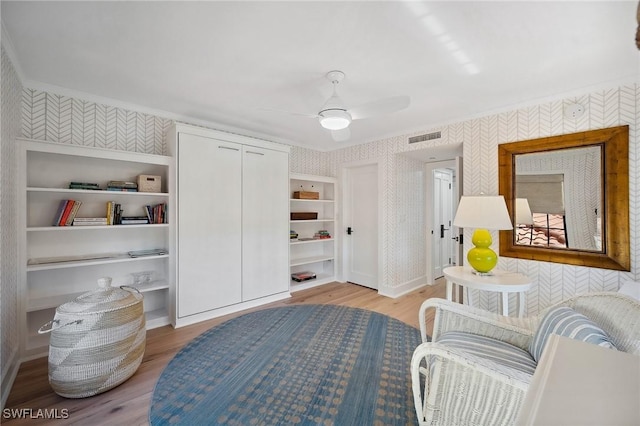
(104, 299)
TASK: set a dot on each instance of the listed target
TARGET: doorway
(443, 246)
(361, 224)
(441, 226)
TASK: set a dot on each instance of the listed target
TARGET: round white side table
(504, 282)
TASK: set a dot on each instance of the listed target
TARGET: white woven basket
(97, 341)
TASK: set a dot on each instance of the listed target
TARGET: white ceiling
(231, 64)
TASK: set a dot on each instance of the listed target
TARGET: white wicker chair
(453, 387)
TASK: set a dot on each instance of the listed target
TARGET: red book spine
(67, 210)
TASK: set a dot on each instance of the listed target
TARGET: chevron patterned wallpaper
(10, 113)
(404, 255)
(58, 118)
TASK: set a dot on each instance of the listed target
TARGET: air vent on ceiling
(426, 137)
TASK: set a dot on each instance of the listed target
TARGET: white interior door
(442, 219)
(457, 232)
(361, 225)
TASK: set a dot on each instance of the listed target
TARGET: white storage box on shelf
(97, 341)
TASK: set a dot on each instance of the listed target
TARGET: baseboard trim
(193, 319)
(8, 377)
(408, 287)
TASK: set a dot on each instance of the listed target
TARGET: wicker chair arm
(451, 316)
(472, 377)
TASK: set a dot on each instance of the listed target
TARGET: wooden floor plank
(129, 403)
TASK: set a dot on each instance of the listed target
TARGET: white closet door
(265, 236)
(209, 224)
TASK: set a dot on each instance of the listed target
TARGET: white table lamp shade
(523, 212)
(483, 211)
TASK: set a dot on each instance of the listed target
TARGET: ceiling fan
(336, 117)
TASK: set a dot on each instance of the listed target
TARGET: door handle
(442, 229)
(349, 230)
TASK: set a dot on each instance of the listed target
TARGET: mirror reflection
(582, 216)
(558, 199)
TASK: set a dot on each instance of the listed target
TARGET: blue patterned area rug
(303, 364)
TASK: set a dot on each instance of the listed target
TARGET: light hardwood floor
(129, 403)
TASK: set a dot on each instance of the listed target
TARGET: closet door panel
(209, 224)
(265, 237)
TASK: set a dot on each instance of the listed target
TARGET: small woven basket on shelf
(97, 341)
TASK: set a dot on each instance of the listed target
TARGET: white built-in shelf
(100, 193)
(103, 261)
(316, 240)
(316, 255)
(67, 259)
(321, 278)
(41, 303)
(309, 260)
(306, 200)
(92, 227)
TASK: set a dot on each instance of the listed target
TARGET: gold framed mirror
(571, 193)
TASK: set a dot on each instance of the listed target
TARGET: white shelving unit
(308, 254)
(59, 263)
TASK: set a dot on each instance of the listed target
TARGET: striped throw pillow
(566, 322)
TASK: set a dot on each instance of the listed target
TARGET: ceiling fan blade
(380, 107)
(341, 135)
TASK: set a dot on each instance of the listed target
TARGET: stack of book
(293, 235)
(322, 234)
(84, 185)
(114, 213)
(157, 213)
(89, 221)
(67, 210)
(303, 276)
(134, 220)
(121, 185)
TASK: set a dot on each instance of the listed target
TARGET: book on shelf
(73, 213)
(134, 220)
(90, 221)
(114, 213)
(60, 212)
(115, 188)
(84, 185)
(322, 234)
(121, 185)
(157, 213)
(67, 210)
(303, 276)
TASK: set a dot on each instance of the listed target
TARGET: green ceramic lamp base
(481, 257)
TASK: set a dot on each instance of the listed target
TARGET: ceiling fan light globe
(334, 119)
